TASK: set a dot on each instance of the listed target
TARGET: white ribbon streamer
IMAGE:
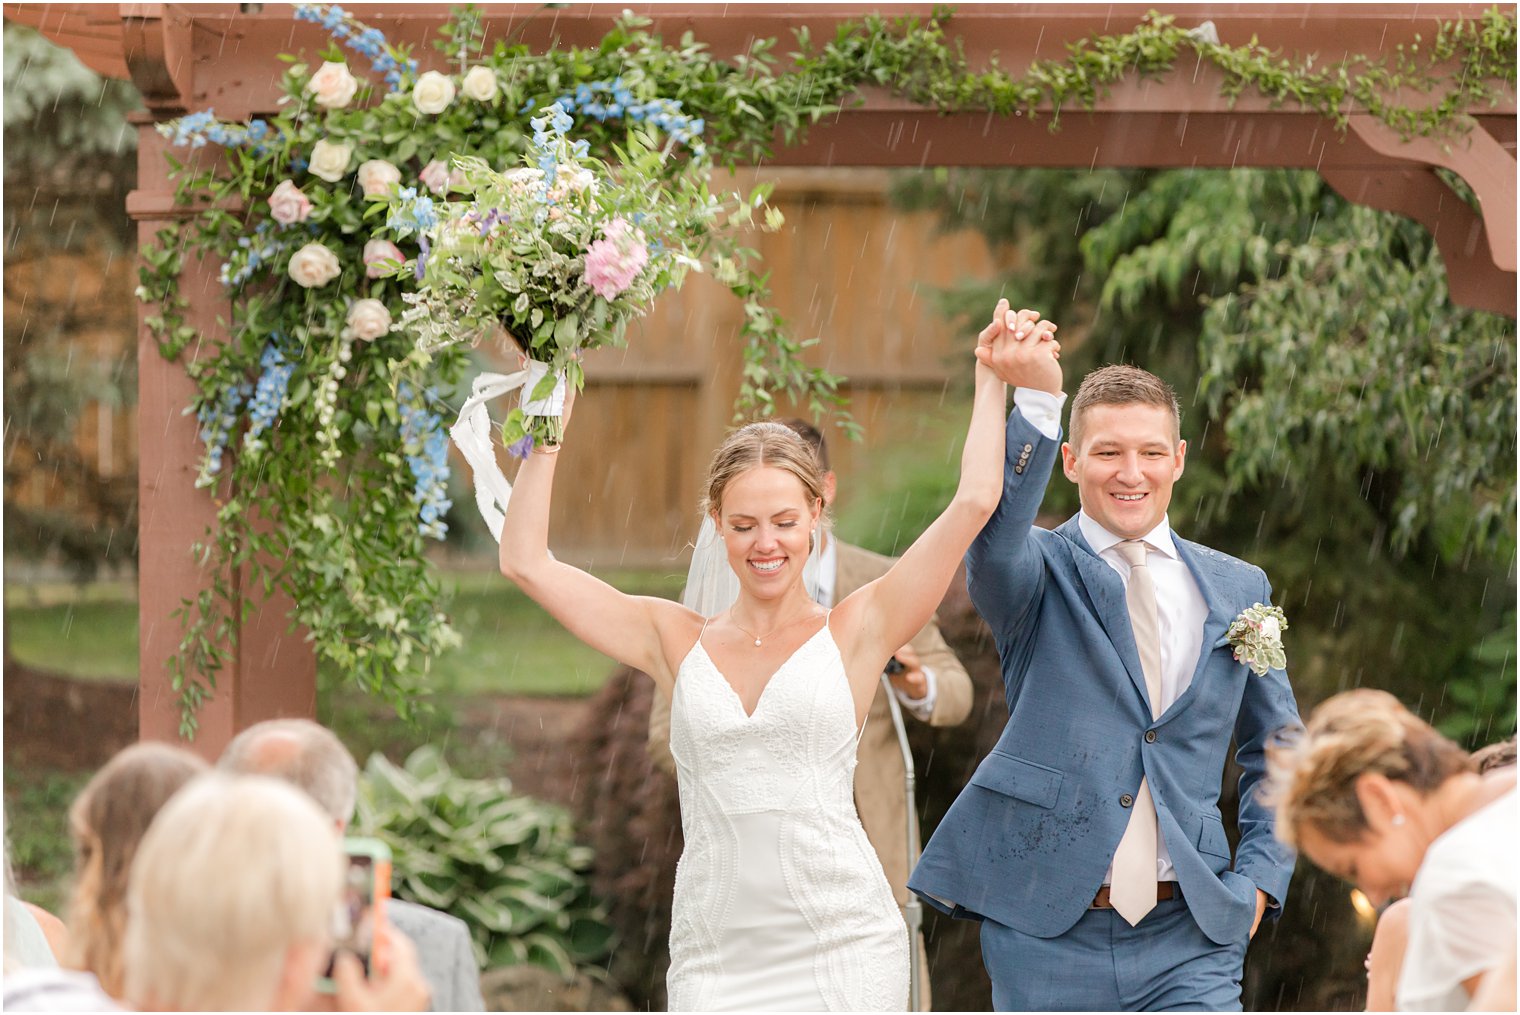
(472, 435)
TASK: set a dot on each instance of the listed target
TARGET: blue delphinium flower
(414, 213)
(426, 446)
(253, 253)
(362, 39)
(521, 448)
(196, 130)
(217, 422)
(268, 395)
(612, 100)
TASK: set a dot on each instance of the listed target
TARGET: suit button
(1150, 736)
(1018, 470)
(1028, 448)
(1126, 801)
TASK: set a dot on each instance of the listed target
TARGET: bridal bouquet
(559, 253)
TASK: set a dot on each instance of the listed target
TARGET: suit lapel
(1106, 590)
(1211, 584)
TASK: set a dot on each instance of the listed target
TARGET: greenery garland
(341, 441)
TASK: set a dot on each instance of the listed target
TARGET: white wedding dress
(780, 902)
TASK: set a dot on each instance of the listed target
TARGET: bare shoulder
(679, 628)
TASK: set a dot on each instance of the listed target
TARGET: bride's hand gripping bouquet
(558, 254)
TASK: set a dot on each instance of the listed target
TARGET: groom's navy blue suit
(1028, 842)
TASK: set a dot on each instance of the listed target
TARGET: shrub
(507, 865)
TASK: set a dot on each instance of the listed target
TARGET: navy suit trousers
(1103, 964)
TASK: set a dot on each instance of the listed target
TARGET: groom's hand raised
(1021, 349)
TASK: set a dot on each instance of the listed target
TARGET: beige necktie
(1133, 887)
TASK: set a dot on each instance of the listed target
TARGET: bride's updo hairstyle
(758, 445)
(1313, 776)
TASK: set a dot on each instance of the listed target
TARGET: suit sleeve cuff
(1041, 408)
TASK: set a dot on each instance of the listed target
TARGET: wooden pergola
(187, 57)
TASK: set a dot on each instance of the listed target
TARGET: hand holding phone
(395, 981)
(361, 907)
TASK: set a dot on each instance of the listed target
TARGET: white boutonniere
(1256, 636)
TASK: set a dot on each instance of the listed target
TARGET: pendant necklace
(767, 634)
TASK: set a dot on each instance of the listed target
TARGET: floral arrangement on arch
(558, 254)
(322, 416)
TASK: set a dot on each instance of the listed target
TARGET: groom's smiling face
(1125, 467)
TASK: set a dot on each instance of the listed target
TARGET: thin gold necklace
(778, 627)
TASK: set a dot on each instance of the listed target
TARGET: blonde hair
(1312, 778)
(236, 870)
(760, 445)
(1117, 384)
(107, 822)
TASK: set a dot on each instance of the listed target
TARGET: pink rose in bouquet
(376, 253)
(612, 263)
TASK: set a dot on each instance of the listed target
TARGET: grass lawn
(510, 645)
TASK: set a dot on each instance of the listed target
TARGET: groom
(1089, 842)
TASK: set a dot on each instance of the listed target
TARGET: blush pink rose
(378, 251)
(614, 262)
(288, 205)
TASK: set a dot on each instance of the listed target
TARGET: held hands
(1021, 350)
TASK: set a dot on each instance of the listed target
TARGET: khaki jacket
(879, 775)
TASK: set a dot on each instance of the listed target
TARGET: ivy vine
(341, 440)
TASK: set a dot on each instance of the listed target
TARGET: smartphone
(361, 907)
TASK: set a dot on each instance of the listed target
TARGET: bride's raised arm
(639, 631)
(887, 613)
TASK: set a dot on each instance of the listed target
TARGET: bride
(780, 902)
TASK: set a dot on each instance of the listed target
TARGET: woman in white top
(1376, 796)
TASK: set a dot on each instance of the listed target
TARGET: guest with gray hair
(313, 759)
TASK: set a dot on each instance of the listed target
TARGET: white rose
(368, 320)
(480, 84)
(433, 93)
(377, 176)
(314, 265)
(329, 159)
(1271, 629)
(333, 86)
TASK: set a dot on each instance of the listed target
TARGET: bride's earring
(1398, 819)
(812, 539)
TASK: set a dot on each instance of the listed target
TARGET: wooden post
(273, 672)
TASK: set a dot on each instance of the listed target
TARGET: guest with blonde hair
(230, 906)
(1385, 959)
(1374, 795)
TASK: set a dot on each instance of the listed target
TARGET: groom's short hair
(1123, 385)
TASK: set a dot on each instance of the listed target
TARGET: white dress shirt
(1180, 610)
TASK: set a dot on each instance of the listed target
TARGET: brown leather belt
(1164, 890)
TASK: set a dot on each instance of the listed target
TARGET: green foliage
(506, 865)
(37, 832)
(1351, 357)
